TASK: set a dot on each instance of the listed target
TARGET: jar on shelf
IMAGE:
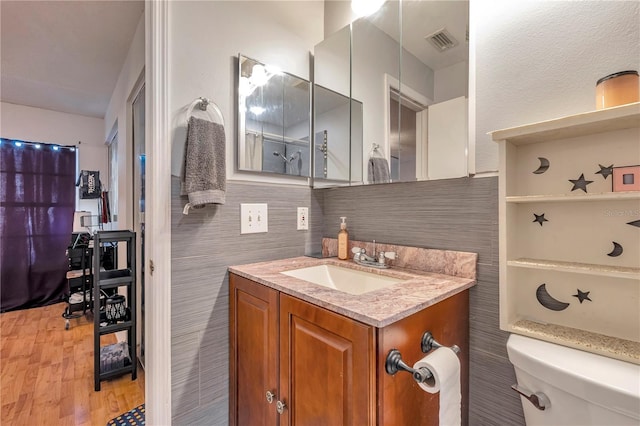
(617, 89)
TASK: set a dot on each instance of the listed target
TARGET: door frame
(135, 207)
(158, 216)
(391, 85)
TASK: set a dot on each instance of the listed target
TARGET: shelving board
(588, 123)
(112, 328)
(115, 278)
(564, 198)
(569, 254)
(578, 268)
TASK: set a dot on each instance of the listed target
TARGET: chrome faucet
(378, 260)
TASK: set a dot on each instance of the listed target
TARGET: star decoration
(605, 171)
(540, 218)
(582, 296)
(580, 183)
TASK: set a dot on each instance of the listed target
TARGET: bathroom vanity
(302, 353)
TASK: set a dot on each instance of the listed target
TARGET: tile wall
(203, 244)
(455, 214)
(452, 214)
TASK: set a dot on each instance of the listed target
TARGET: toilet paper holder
(395, 363)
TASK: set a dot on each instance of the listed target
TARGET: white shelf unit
(572, 250)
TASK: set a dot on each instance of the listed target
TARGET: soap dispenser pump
(343, 240)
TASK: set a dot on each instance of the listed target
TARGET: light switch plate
(303, 218)
(253, 218)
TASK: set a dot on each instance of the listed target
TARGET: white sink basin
(343, 279)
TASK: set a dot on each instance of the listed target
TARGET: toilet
(582, 388)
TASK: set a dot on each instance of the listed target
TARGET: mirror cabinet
(274, 120)
(392, 85)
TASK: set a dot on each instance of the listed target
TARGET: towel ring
(202, 104)
(375, 152)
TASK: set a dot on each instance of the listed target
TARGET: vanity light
(366, 7)
(259, 75)
(245, 87)
(256, 110)
(272, 70)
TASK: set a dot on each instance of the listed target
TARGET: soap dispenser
(343, 240)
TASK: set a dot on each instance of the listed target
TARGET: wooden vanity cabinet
(326, 368)
(253, 361)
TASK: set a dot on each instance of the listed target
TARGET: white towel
(204, 173)
(378, 170)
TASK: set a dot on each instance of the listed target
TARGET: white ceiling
(65, 55)
(421, 18)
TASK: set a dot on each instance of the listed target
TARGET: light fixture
(366, 7)
(258, 75)
(272, 70)
(38, 146)
(56, 147)
(245, 87)
(18, 144)
(256, 110)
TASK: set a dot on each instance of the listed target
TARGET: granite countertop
(377, 308)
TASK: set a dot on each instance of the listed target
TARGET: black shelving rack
(119, 358)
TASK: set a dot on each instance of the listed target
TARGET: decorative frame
(626, 178)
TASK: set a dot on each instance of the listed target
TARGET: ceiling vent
(442, 40)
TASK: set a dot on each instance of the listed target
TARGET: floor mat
(134, 417)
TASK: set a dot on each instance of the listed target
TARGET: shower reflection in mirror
(274, 120)
(331, 142)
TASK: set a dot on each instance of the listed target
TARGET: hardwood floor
(46, 372)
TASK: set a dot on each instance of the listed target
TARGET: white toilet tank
(583, 388)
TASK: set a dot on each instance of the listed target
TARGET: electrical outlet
(253, 218)
(303, 218)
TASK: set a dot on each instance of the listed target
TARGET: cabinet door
(253, 352)
(327, 372)
(401, 401)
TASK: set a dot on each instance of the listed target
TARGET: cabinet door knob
(270, 397)
(280, 407)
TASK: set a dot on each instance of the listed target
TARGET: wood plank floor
(46, 372)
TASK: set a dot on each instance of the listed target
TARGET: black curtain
(37, 202)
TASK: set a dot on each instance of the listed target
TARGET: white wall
(538, 60)
(337, 15)
(204, 41)
(374, 55)
(119, 117)
(451, 82)
(43, 125)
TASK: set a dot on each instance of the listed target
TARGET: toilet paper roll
(445, 367)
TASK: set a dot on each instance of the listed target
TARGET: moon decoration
(605, 171)
(617, 250)
(634, 223)
(582, 296)
(544, 166)
(549, 302)
(540, 218)
(580, 183)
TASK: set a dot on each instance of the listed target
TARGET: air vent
(442, 40)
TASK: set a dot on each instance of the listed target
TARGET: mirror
(337, 117)
(273, 119)
(408, 70)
